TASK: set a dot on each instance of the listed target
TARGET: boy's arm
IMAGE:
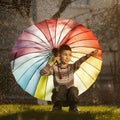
(48, 69)
(77, 64)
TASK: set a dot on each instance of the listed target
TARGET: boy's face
(65, 56)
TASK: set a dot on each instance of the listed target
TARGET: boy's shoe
(73, 109)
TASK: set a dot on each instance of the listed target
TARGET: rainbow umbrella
(33, 50)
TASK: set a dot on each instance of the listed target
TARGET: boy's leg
(73, 98)
(58, 97)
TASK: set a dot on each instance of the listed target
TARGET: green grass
(42, 112)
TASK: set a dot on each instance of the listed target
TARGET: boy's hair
(64, 47)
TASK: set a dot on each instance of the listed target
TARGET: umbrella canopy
(33, 50)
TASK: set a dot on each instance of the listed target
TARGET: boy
(64, 93)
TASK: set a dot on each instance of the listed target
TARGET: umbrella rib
(35, 43)
(87, 63)
(87, 73)
(75, 35)
(33, 74)
(27, 69)
(49, 33)
(84, 54)
(55, 32)
(86, 47)
(79, 33)
(37, 36)
(81, 80)
(32, 52)
(28, 60)
(62, 31)
(76, 57)
(66, 34)
(40, 38)
(29, 53)
(93, 66)
(36, 87)
(30, 47)
(80, 40)
(45, 89)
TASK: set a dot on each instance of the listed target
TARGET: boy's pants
(63, 96)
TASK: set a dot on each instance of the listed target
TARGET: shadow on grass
(39, 115)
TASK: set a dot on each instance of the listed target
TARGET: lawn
(42, 112)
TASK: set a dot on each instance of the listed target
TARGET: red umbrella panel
(33, 50)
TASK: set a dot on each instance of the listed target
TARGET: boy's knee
(73, 97)
(59, 93)
(73, 89)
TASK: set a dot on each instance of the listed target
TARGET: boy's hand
(94, 52)
(56, 59)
